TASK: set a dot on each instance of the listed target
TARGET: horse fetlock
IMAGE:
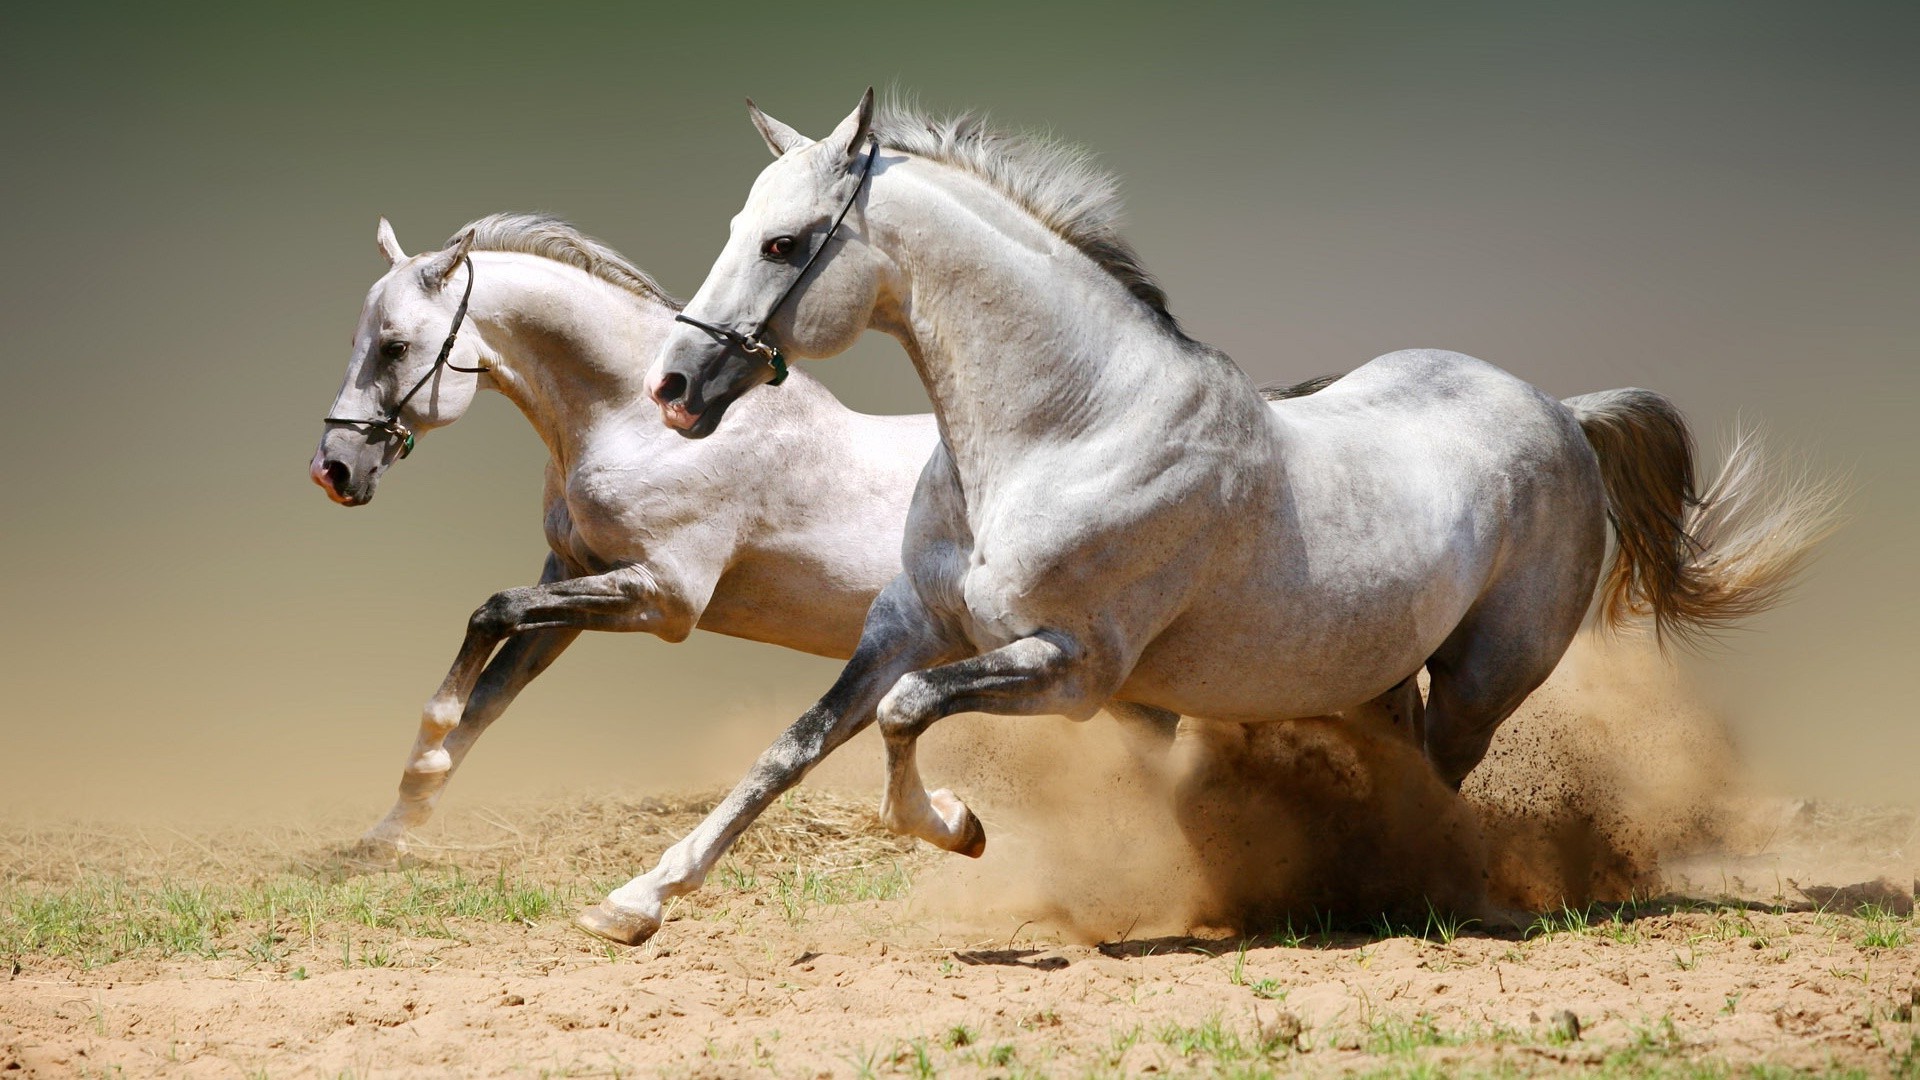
(900, 817)
(418, 792)
(440, 716)
(428, 767)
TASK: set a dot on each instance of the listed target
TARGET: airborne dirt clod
(1316, 904)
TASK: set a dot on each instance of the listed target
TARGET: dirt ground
(1602, 911)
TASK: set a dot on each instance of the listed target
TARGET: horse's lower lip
(336, 496)
(342, 498)
(677, 417)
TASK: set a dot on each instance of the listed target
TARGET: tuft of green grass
(1882, 929)
(1446, 927)
(101, 919)
(1688, 962)
(1269, 989)
(1393, 1036)
(1224, 1046)
(801, 889)
(1568, 920)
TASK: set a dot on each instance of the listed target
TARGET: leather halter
(390, 423)
(752, 345)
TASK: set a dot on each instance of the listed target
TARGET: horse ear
(780, 138)
(389, 245)
(851, 135)
(439, 269)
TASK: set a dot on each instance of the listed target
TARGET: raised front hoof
(969, 837)
(619, 926)
(973, 838)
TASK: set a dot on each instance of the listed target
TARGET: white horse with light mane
(1113, 514)
(565, 327)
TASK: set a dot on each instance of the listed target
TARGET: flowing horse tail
(1694, 563)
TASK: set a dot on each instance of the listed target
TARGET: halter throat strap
(389, 422)
(753, 344)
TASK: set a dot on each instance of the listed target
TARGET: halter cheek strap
(754, 345)
(389, 422)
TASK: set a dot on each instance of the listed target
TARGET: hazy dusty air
(1716, 203)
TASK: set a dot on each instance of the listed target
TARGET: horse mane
(1054, 181)
(1286, 392)
(551, 238)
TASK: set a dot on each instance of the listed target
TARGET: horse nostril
(337, 474)
(671, 389)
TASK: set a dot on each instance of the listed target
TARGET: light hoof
(376, 849)
(617, 925)
(969, 836)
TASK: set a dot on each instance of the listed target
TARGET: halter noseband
(752, 345)
(390, 423)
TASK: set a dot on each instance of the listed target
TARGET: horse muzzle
(698, 381)
(347, 470)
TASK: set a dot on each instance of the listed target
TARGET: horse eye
(393, 350)
(777, 248)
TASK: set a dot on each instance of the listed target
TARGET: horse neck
(1019, 337)
(569, 350)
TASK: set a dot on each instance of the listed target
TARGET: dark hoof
(603, 920)
(973, 838)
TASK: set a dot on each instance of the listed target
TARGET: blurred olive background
(1717, 200)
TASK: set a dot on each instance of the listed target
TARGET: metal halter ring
(752, 345)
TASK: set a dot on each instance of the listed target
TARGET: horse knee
(496, 617)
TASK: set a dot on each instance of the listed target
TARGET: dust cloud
(1606, 773)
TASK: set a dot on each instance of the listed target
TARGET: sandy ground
(1675, 926)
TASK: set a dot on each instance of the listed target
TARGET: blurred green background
(1717, 200)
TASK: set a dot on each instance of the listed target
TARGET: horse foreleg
(895, 640)
(1033, 676)
(557, 610)
(518, 663)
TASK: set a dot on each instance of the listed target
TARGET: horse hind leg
(1400, 710)
(1501, 653)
